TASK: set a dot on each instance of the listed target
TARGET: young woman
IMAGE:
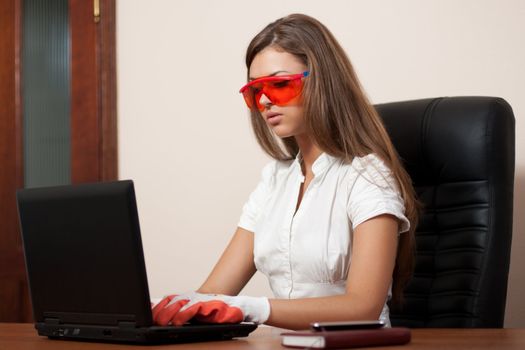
(331, 223)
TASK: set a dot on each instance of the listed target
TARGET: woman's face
(285, 120)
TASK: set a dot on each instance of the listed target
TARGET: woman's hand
(210, 308)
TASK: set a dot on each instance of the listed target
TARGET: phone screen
(338, 326)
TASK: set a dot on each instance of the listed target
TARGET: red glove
(210, 308)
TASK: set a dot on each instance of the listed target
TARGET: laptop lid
(84, 255)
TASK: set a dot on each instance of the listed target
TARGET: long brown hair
(337, 114)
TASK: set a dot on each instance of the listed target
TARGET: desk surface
(18, 336)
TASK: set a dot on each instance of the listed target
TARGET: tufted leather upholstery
(459, 152)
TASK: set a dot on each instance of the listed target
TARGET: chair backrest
(459, 152)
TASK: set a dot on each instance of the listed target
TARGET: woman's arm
(234, 268)
(372, 263)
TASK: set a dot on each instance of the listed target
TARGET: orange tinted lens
(252, 95)
(248, 97)
(278, 91)
(282, 92)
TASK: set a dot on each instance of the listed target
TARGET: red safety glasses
(279, 89)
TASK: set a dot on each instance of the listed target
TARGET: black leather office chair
(459, 152)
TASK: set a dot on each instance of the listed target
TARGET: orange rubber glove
(210, 308)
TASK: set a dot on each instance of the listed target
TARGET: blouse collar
(322, 162)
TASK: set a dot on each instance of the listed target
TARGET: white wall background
(184, 136)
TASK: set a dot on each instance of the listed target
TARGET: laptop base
(146, 335)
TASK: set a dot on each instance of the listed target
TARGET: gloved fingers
(161, 305)
(219, 312)
(165, 315)
(186, 314)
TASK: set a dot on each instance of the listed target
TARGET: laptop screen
(84, 254)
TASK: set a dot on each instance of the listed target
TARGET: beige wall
(184, 135)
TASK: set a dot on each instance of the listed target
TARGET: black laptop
(86, 268)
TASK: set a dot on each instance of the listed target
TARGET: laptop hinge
(51, 320)
(127, 324)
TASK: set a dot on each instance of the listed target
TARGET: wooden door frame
(93, 49)
(12, 268)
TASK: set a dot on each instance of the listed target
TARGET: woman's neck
(309, 153)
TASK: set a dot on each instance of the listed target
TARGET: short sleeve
(252, 208)
(374, 192)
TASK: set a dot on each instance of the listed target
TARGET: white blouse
(308, 254)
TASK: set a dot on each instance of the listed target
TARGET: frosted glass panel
(46, 93)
